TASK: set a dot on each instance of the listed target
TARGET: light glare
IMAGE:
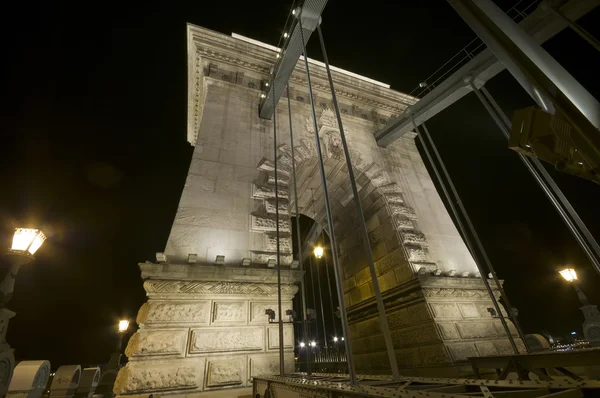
(27, 239)
(302, 344)
(123, 325)
(318, 252)
(569, 274)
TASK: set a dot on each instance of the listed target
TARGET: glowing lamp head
(302, 345)
(123, 325)
(27, 240)
(335, 339)
(313, 344)
(318, 252)
(569, 274)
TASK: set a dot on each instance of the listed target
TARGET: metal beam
(541, 25)
(544, 79)
(310, 12)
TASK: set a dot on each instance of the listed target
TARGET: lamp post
(318, 252)
(25, 243)
(591, 323)
(123, 326)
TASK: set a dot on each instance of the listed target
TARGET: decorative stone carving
(390, 188)
(285, 243)
(158, 312)
(267, 192)
(269, 224)
(469, 293)
(402, 210)
(416, 253)
(268, 166)
(156, 342)
(138, 380)
(211, 288)
(333, 144)
(283, 206)
(282, 179)
(284, 163)
(226, 311)
(395, 198)
(225, 372)
(225, 340)
(413, 238)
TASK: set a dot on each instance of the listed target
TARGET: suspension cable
(281, 356)
(299, 241)
(339, 286)
(385, 329)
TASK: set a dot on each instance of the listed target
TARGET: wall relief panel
(207, 340)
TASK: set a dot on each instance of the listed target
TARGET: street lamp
(318, 252)
(591, 314)
(570, 276)
(123, 326)
(26, 242)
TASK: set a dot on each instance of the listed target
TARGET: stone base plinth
(206, 330)
(436, 323)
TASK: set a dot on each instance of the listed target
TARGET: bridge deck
(337, 385)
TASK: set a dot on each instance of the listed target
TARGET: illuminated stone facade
(204, 326)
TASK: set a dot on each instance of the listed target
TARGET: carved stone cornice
(211, 288)
(197, 272)
(205, 46)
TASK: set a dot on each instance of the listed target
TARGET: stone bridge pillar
(204, 326)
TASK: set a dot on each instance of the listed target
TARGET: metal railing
(518, 12)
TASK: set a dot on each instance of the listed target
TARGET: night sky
(94, 152)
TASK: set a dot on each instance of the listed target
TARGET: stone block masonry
(204, 326)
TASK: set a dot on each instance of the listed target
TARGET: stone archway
(438, 317)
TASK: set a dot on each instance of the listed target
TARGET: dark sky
(94, 152)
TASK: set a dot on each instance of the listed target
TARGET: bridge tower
(204, 326)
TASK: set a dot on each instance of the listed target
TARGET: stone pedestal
(591, 324)
(7, 358)
(437, 322)
(204, 328)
